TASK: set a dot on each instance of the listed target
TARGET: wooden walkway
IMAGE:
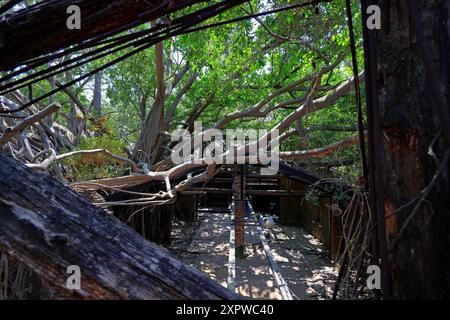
(299, 256)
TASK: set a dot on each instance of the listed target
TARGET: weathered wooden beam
(49, 227)
(239, 209)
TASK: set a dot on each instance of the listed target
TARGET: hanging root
(354, 248)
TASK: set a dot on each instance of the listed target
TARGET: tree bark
(49, 227)
(419, 238)
(97, 97)
(147, 146)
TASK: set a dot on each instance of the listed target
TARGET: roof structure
(42, 28)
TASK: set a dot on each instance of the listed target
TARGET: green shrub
(96, 166)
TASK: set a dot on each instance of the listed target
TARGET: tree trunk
(148, 142)
(77, 122)
(419, 239)
(49, 227)
(97, 98)
(49, 120)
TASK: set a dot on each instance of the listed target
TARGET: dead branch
(46, 163)
(53, 157)
(11, 132)
(102, 151)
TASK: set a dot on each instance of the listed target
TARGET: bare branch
(53, 157)
(178, 98)
(321, 152)
(13, 131)
(94, 151)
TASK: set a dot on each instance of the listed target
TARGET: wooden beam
(239, 209)
(49, 227)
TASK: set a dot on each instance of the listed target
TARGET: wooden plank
(279, 280)
(49, 227)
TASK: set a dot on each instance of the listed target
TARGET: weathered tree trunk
(303, 143)
(147, 146)
(77, 122)
(419, 238)
(49, 120)
(49, 227)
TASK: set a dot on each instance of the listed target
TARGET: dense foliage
(233, 67)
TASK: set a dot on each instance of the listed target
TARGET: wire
(142, 44)
(9, 5)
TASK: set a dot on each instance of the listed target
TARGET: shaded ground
(301, 258)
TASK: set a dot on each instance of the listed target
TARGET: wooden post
(239, 209)
(231, 280)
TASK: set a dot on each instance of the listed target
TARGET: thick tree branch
(321, 152)
(178, 97)
(73, 96)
